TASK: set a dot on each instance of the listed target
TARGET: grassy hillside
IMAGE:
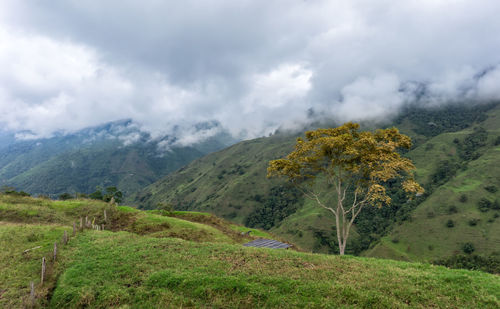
(232, 183)
(463, 210)
(135, 263)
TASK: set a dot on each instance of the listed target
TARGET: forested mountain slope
(232, 183)
(116, 154)
(462, 210)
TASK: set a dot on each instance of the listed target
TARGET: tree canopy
(354, 163)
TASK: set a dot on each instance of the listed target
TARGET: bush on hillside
(497, 141)
(468, 247)
(490, 264)
(65, 196)
(468, 149)
(281, 202)
(484, 204)
(445, 170)
(16, 193)
(491, 188)
(450, 223)
(473, 222)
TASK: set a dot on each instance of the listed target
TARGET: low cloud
(250, 66)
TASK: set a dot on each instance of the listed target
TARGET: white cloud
(368, 98)
(252, 66)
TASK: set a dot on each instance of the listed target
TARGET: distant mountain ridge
(113, 154)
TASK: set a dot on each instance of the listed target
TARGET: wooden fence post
(43, 270)
(74, 229)
(65, 238)
(105, 216)
(102, 227)
(55, 251)
(32, 294)
(81, 223)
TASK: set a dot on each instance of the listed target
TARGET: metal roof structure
(267, 243)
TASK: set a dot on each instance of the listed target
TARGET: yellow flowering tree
(354, 163)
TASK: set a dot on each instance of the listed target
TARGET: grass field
(137, 264)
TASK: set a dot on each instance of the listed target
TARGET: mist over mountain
(113, 154)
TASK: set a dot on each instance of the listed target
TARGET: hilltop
(146, 259)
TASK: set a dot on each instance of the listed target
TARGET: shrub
(463, 198)
(395, 240)
(496, 205)
(65, 196)
(484, 204)
(15, 193)
(431, 214)
(497, 141)
(450, 223)
(489, 264)
(473, 222)
(165, 207)
(491, 188)
(468, 248)
(452, 209)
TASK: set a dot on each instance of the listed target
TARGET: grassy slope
(223, 182)
(140, 268)
(29, 222)
(116, 269)
(409, 242)
(19, 269)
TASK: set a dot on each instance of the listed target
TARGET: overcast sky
(251, 65)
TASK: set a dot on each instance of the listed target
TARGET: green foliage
(468, 248)
(434, 121)
(491, 188)
(450, 223)
(490, 263)
(96, 195)
(473, 222)
(452, 209)
(111, 193)
(281, 202)
(497, 141)
(444, 171)
(469, 148)
(165, 207)
(484, 204)
(65, 196)
(348, 158)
